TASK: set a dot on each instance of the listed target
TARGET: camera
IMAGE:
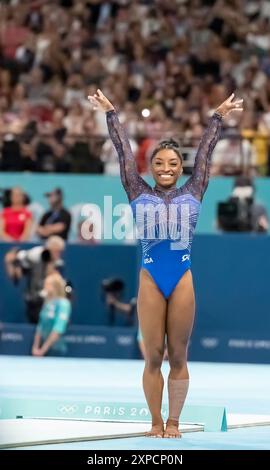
(112, 286)
(236, 214)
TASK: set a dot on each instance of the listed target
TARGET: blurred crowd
(165, 64)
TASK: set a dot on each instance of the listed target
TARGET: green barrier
(213, 418)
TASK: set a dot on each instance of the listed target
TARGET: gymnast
(166, 302)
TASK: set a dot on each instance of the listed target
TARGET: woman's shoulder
(63, 302)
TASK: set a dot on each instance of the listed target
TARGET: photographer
(35, 264)
(241, 213)
(53, 319)
(15, 219)
(113, 289)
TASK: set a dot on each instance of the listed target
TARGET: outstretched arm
(199, 179)
(132, 181)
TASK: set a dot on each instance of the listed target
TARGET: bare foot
(171, 430)
(157, 430)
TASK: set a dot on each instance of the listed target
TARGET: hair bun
(168, 143)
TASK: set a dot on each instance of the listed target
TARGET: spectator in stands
(35, 265)
(57, 220)
(233, 155)
(16, 220)
(110, 159)
(53, 319)
(51, 152)
(171, 58)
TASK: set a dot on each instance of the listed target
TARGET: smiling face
(166, 167)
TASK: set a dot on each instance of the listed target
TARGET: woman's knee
(177, 358)
(153, 359)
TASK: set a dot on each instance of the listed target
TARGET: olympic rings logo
(69, 409)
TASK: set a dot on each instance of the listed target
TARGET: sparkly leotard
(165, 219)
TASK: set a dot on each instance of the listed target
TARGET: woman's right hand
(98, 100)
(110, 299)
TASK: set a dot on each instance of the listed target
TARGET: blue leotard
(165, 218)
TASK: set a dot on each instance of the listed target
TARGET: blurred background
(166, 66)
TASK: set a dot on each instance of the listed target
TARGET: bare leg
(152, 318)
(180, 318)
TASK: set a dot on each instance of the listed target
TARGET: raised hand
(229, 105)
(99, 101)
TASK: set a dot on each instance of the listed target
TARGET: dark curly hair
(168, 144)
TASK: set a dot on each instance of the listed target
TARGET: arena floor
(242, 388)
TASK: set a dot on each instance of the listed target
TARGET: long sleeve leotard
(167, 231)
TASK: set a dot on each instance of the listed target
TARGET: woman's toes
(172, 432)
(156, 431)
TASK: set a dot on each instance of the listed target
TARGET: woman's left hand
(229, 105)
(99, 101)
(37, 352)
